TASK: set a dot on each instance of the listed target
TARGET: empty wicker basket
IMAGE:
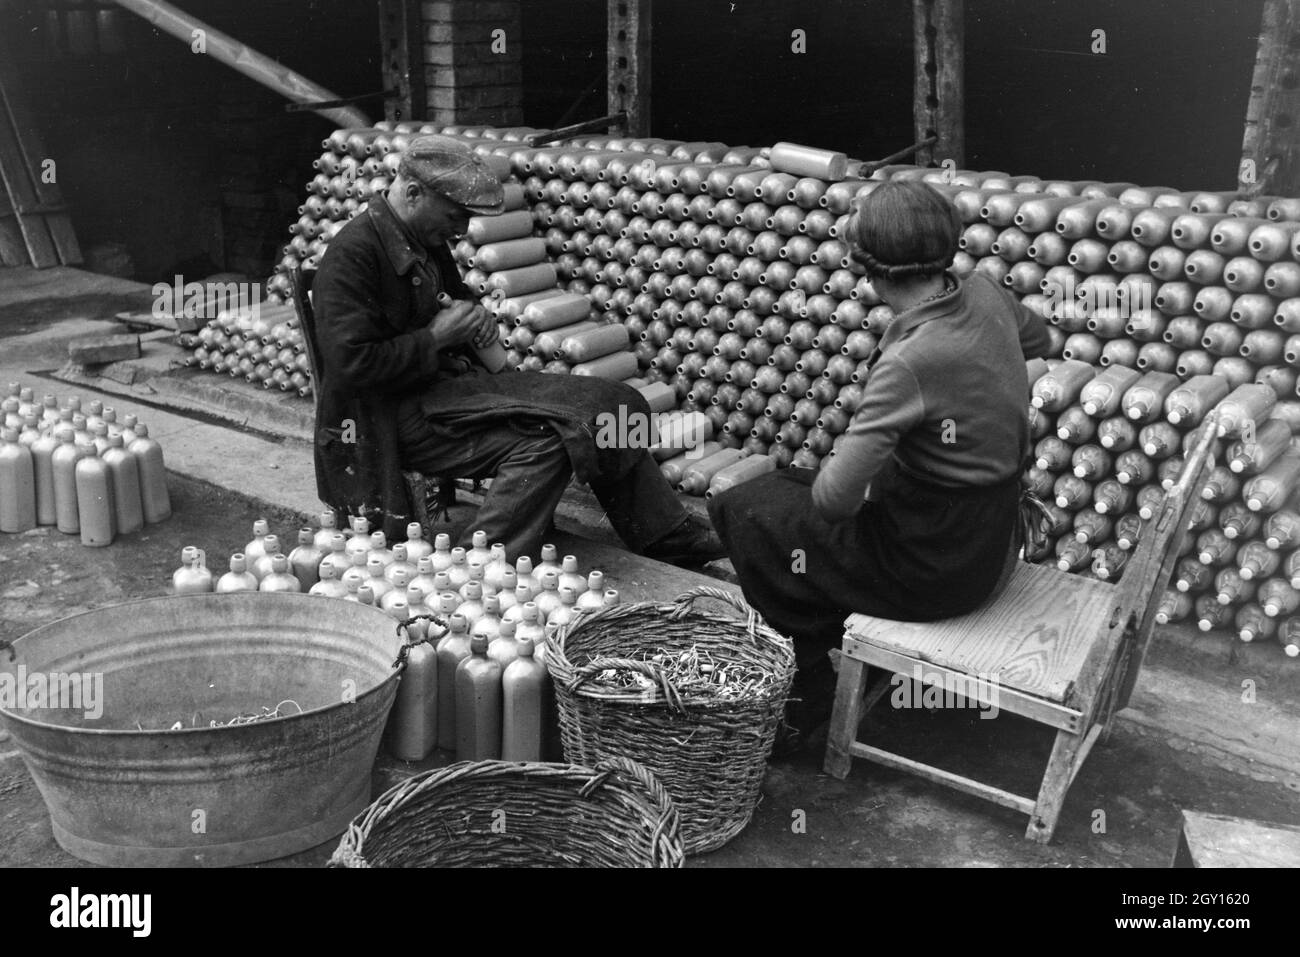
(710, 752)
(504, 814)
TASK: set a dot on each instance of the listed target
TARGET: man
(401, 386)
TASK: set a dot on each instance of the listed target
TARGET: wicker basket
(710, 753)
(512, 814)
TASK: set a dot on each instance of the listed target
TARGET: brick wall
(468, 80)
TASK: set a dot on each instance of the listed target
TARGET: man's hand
(459, 323)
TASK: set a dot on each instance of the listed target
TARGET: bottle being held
(193, 577)
(491, 354)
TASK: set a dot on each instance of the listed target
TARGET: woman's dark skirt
(918, 552)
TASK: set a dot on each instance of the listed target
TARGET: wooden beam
(1270, 149)
(628, 63)
(939, 95)
(401, 42)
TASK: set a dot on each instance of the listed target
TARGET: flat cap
(450, 167)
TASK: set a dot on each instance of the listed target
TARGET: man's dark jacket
(374, 297)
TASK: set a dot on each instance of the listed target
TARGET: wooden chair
(1059, 649)
(427, 494)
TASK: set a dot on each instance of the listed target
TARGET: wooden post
(938, 105)
(1270, 149)
(401, 44)
(628, 55)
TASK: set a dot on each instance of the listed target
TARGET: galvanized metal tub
(123, 790)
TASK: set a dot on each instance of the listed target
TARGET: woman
(936, 446)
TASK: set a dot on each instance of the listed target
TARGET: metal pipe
(573, 129)
(238, 56)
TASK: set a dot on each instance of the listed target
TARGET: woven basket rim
(658, 807)
(564, 672)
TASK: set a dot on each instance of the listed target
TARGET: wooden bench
(1058, 649)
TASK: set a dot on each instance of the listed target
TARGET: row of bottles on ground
(78, 469)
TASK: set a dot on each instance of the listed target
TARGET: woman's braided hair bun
(904, 229)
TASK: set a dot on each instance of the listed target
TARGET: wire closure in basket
(616, 814)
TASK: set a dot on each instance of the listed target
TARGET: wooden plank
(1270, 148)
(967, 785)
(13, 252)
(35, 233)
(1218, 840)
(845, 717)
(628, 63)
(1034, 637)
(402, 59)
(1009, 699)
(31, 155)
(97, 350)
(938, 104)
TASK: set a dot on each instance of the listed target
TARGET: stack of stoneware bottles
(477, 686)
(78, 469)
